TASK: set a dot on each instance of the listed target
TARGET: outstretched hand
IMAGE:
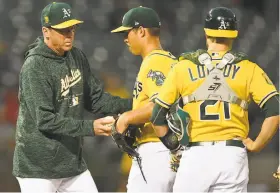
(103, 126)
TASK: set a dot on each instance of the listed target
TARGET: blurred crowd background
(182, 30)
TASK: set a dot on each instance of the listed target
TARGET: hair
(154, 31)
(220, 40)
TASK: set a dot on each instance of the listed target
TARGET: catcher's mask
(178, 120)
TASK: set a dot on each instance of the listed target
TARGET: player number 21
(213, 116)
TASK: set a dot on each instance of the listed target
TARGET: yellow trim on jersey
(263, 101)
(221, 33)
(162, 103)
(153, 96)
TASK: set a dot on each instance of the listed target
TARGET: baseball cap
(139, 16)
(58, 15)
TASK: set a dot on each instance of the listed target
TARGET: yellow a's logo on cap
(47, 20)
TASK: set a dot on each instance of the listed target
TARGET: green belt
(236, 143)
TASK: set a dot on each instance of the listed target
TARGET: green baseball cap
(58, 15)
(139, 16)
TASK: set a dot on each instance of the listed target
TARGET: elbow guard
(170, 140)
(159, 115)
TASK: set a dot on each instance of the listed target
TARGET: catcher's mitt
(125, 140)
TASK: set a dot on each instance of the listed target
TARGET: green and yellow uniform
(217, 120)
(152, 74)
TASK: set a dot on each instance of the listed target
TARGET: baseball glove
(125, 140)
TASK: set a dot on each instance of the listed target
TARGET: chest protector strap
(215, 86)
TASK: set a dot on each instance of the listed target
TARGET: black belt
(236, 143)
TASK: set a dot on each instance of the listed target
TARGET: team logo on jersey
(156, 76)
(69, 81)
(74, 101)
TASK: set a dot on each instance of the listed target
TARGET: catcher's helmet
(221, 22)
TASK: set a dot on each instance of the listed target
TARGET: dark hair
(154, 31)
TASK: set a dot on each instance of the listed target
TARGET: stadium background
(182, 30)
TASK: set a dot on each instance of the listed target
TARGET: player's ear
(142, 31)
(46, 32)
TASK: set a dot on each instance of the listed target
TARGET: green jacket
(53, 93)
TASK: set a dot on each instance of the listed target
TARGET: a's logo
(70, 81)
(74, 101)
(47, 20)
(156, 76)
(136, 23)
(67, 12)
(214, 86)
(223, 25)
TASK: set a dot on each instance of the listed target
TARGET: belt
(231, 142)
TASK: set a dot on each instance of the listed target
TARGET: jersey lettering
(230, 71)
(137, 89)
(213, 120)
(204, 116)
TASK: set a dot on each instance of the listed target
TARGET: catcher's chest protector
(215, 86)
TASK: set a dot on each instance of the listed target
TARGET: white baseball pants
(79, 183)
(156, 167)
(215, 168)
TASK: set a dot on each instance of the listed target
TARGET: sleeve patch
(156, 76)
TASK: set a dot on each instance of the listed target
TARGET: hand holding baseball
(103, 126)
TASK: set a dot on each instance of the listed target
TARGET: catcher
(216, 86)
(141, 30)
